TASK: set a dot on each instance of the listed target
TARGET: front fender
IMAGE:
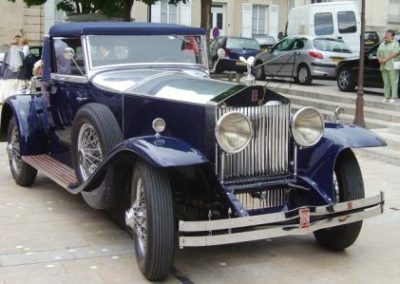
(316, 164)
(32, 119)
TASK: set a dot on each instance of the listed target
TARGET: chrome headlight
(233, 132)
(307, 126)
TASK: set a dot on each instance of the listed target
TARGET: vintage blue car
(130, 119)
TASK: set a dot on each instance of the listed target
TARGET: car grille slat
(262, 199)
(267, 152)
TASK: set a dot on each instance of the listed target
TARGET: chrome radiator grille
(267, 153)
(263, 199)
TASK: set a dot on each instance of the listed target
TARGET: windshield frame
(202, 66)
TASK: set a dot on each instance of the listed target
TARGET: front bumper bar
(219, 232)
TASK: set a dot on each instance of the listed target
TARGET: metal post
(359, 117)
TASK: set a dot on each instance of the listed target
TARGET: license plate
(240, 63)
(304, 214)
(336, 59)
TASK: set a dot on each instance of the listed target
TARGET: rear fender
(316, 164)
(32, 119)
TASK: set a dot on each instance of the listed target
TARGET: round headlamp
(307, 126)
(233, 132)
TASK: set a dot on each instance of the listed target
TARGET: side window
(323, 24)
(284, 45)
(347, 22)
(299, 43)
(65, 66)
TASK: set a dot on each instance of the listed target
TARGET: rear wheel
(151, 218)
(22, 173)
(349, 185)
(345, 80)
(304, 75)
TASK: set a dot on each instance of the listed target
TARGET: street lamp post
(359, 116)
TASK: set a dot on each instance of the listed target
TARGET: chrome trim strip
(69, 78)
(277, 231)
(223, 224)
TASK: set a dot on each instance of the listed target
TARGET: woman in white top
(23, 42)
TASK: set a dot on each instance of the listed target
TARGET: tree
(118, 8)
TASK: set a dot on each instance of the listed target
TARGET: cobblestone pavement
(50, 236)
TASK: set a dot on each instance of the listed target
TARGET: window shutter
(247, 19)
(186, 14)
(273, 20)
(156, 12)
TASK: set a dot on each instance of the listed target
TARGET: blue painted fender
(316, 164)
(162, 151)
(32, 119)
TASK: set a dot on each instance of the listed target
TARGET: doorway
(218, 12)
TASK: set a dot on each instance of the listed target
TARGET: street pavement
(50, 236)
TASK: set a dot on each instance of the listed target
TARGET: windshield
(111, 50)
(331, 45)
(242, 43)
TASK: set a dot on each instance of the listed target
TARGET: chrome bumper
(264, 226)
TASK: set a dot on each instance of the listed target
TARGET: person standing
(389, 75)
(12, 70)
(24, 44)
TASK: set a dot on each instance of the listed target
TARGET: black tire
(259, 71)
(350, 187)
(345, 80)
(102, 120)
(155, 258)
(303, 75)
(22, 173)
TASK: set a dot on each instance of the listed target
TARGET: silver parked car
(302, 58)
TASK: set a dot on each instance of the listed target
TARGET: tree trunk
(206, 16)
(126, 13)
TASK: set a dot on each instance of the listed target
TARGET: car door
(69, 88)
(278, 58)
(295, 55)
(372, 73)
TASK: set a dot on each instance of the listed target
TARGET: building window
(323, 24)
(169, 13)
(259, 18)
(347, 22)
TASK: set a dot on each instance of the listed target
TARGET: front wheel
(22, 173)
(258, 71)
(348, 184)
(151, 218)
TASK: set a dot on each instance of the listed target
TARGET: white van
(337, 19)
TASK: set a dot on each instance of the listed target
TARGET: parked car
(347, 71)
(234, 47)
(370, 39)
(337, 19)
(265, 41)
(136, 126)
(302, 58)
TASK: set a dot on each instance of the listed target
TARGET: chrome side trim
(258, 220)
(277, 231)
(69, 78)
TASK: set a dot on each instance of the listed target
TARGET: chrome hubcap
(89, 150)
(303, 74)
(14, 152)
(344, 79)
(135, 217)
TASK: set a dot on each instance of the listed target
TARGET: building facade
(16, 18)
(233, 18)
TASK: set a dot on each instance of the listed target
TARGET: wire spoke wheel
(13, 150)
(90, 154)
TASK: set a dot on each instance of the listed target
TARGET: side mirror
(221, 53)
(69, 53)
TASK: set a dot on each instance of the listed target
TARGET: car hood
(184, 86)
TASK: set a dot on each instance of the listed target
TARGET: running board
(55, 170)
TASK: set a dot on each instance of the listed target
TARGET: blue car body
(190, 103)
